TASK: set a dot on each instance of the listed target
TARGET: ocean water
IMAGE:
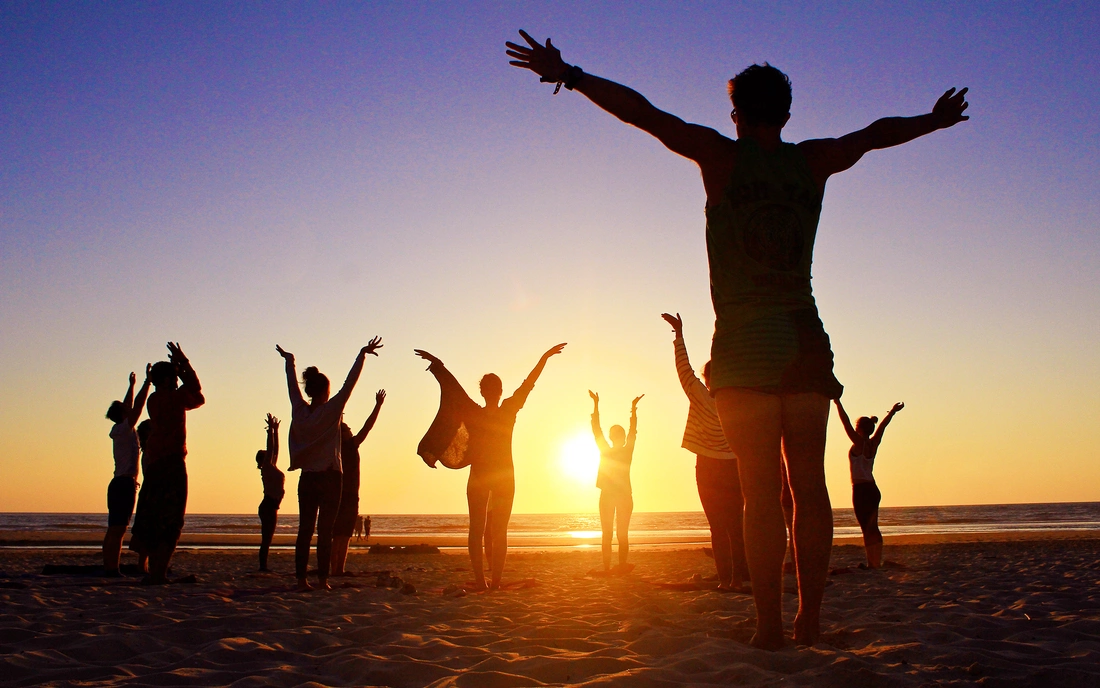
(566, 530)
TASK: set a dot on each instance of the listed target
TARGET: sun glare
(580, 459)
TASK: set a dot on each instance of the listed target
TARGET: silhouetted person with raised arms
(466, 434)
(771, 362)
(348, 514)
(861, 462)
(315, 444)
(122, 490)
(162, 502)
(274, 482)
(715, 467)
(613, 479)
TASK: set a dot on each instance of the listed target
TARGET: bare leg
(787, 500)
(607, 526)
(112, 548)
(159, 561)
(624, 509)
(339, 553)
(502, 513)
(805, 418)
(752, 423)
(873, 544)
(477, 500)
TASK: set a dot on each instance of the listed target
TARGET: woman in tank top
(865, 493)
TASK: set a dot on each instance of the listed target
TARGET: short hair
(143, 430)
(491, 383)
(761, 94)
(116, 412)
(161, 372)
(316, 382)
(261, 458)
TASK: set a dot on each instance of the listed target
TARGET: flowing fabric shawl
(447, 439)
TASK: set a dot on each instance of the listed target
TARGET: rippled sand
(993, 614)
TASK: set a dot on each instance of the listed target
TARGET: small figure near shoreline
(274, 482)
(613, 479)
(861, 461)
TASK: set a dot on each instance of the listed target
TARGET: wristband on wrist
(569, 78)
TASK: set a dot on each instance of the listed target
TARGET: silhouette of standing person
(715, 467)
(613, 480)
(861, 462)
(466, 434)
(162, 502)
(348, 515)
(122, 490)
(314, 443)
(771, 362)
(274, 482)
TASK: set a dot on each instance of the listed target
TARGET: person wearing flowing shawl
(467, 434)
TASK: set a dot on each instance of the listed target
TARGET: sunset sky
(232, 176)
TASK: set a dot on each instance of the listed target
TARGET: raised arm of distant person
(272, 440)
(692, 141)
(693, 386)
(829, 156)
(847, 422)
(379, 397)
(292, 388)
(519, 397)
(139, 403)
(632, 434)
(371, 348)
(877, 437)
(190, 388)
(597, 431)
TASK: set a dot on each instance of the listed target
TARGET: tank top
(760, 236)
(861, 466)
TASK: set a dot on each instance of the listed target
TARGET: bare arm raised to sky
(357, 368)
(692, 141)
(379, 397)
(291, 377)
(190, 387)
(135, 406)
(272, 439)
(597, 431)
(829, 156)
(847, 422)
(520, 395)
(877, 437)
(632, 433)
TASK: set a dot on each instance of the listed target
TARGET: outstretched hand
(634, 406)
(948, 110)
(379, 397)
(133, 379)
(175, 353)
(553, 351)
(272, 423)
(544, 60)
(676, 321)
(427, 357)
(372, 347)
(148, 370)
(595, 397)
(897, 407)
(287, 356)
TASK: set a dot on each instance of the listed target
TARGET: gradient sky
(236, 176)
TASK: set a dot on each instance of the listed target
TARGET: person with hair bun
(464, 433)
(314, 443)
(861, 461)
(122, 490)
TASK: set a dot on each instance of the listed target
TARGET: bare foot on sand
(303, 585)
(322, 584)
(770, 642)
(806, 631)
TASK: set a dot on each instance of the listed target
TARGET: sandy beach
(994, 614)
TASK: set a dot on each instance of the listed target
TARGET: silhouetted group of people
(756, 421)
